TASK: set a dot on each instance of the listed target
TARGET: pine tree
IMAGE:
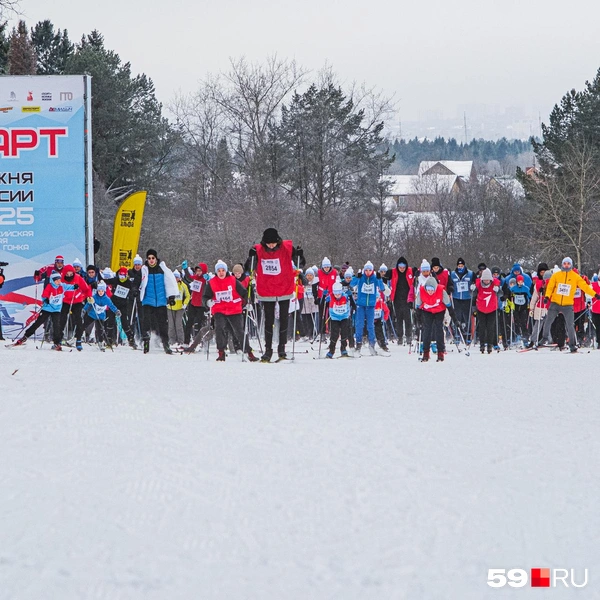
(52, 48)
(4, 47)
(331, 156)
(130, 134)
(21, 55)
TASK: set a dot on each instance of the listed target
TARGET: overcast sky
(433, 55)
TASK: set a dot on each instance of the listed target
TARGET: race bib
(100, 309)
(577, 293)
(519, 300)
(308, 292)
(378, 313)
(56, 300)
(121, 292)
(564, 289)
(368, 288)
(462, 286)
(271, 266)
(339, 309)
(178, 297)
(226, 296)
(196, 286)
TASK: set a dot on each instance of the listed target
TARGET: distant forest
(496, 154)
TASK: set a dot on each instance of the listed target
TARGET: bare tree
(567, 203)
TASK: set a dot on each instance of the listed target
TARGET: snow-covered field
(125, 476)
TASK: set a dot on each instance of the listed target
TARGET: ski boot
(132, 344)
(146, 346)
(251, 356)
(281, 356)
(329, 355)
(266, 357)
(357, 349)
(384, 347)
(497, 348)
(221, 357)
(372, 350)
(425, 356)
(573, 349)
(440, 357)
(57, 347)
(345, 353)
(21, 341)
(167, 349)
(482, 348)
(489, 348)
(78, 345)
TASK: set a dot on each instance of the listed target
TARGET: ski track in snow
(131, 476)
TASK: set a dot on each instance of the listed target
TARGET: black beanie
(435, 262)
(481, 266)
(270, 236)
(460, 261)
(542, 267)
(92, 268)
(151, 252)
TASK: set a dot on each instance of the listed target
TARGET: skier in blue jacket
(368, 286)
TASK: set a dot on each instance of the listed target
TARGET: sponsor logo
(66, 95)
(29, 96)
(125, 257)
(60, 109)
(516, 578)
(12, 97)
(128, 218)
(46, 96)
(31, 109)
(5, 109)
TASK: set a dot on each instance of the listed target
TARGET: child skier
(95, 313)
(339, 315)
(226, 293)
(432, 299)
(52, 301)
(382, 314)
(486, 303)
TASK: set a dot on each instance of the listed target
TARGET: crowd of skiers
(274, 292)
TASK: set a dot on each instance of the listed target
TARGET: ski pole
(247, 309)
(296, 306)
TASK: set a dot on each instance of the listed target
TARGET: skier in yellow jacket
(561, 291)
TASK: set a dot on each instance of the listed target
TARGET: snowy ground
(125, 476)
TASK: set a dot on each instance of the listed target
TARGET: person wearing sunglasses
(157, 289)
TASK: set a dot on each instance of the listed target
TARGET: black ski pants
(339, 329)
(269, 312)
(403, 321)
(486, 328)
(195, 314)
(433, 328)
(76, 310)
(154, 318)
(54, 318)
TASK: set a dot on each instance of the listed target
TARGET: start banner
(45, 163)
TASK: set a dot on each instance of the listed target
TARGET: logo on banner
(60, 109)
(66, 95)
(5, 109)
(29, 96)
(128, 218)
(125, 257)
(46, 96)
(31, 108)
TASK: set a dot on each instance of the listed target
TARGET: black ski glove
(299, 252)
(410, 305)
(252, 253)
(597, 296)
(75, 286)
(171, 300)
